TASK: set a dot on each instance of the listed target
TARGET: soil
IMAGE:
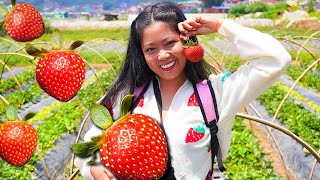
(99, 66)
(307, 24)
(271, 152)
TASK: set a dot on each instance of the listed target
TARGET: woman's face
(163, 51)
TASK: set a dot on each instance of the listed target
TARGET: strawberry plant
(18, 139)
(193, 51)
(21, 97)
(9, 83)
(299, 120)
(246, 159)
(132, 147)
(60, 73)
(23, 22)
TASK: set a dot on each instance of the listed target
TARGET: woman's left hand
(201, 25)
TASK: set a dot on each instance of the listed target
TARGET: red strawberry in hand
(61, 74)
(134, 147)
(23, 23)
(193, 51)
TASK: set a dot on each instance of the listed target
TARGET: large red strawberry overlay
(141, 102)
(135, 149)
(18, 140)
(195, 134)
(61, 74)
(24, 23)
(193, 100)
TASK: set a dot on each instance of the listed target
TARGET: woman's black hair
(134, 71)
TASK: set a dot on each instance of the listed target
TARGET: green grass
(280, 31)
(121, 34)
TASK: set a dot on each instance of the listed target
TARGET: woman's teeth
(168, 65)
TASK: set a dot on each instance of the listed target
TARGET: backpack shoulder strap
(208, 101)
(205, 95)
(138, 93)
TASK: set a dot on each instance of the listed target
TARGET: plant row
(10, 83)
(310, 80)
(246, 158)
(19, 98)
(297, 119)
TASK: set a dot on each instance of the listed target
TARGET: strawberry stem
(189, 43)
(76, 44)
(85, 149)
(33, 51)
(56, 40)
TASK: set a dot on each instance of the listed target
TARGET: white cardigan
(190, 157)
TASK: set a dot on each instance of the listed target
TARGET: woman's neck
(171, 86)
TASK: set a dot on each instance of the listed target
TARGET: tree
(210, 3)
(310, 5)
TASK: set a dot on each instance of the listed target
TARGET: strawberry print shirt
(187, 135)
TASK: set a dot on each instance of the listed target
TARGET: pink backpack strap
(137, 92)
(207, 98)
(205, 95)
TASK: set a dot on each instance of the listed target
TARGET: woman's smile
(169, 66)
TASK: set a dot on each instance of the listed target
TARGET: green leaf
(75, 45)
(3, 10)
(84, 149)
(33, 51)
(126, 104)
(29, 116)
(56, 40)
(97, 138)
(101, 116)
(12, 112)
(44, 51)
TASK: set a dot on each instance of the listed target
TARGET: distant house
(223, 8)
(189, 6)
(110, 15)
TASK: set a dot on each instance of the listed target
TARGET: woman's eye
(170, 42)
(149, 49)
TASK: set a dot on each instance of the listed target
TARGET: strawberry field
(286, 117)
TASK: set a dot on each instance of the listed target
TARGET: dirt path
(271, 152)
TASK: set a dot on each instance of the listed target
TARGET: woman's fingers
(188, 28)
(100, 172)
(110, 174)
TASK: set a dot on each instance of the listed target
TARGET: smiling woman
(163, 53)
(155, 61)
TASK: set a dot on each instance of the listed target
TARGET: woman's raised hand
(200, 25)
(100, 172)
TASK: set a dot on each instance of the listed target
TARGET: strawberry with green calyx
(60, 73)
(23, 22)
(133, 147)
(193, 51)
(18, 139)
